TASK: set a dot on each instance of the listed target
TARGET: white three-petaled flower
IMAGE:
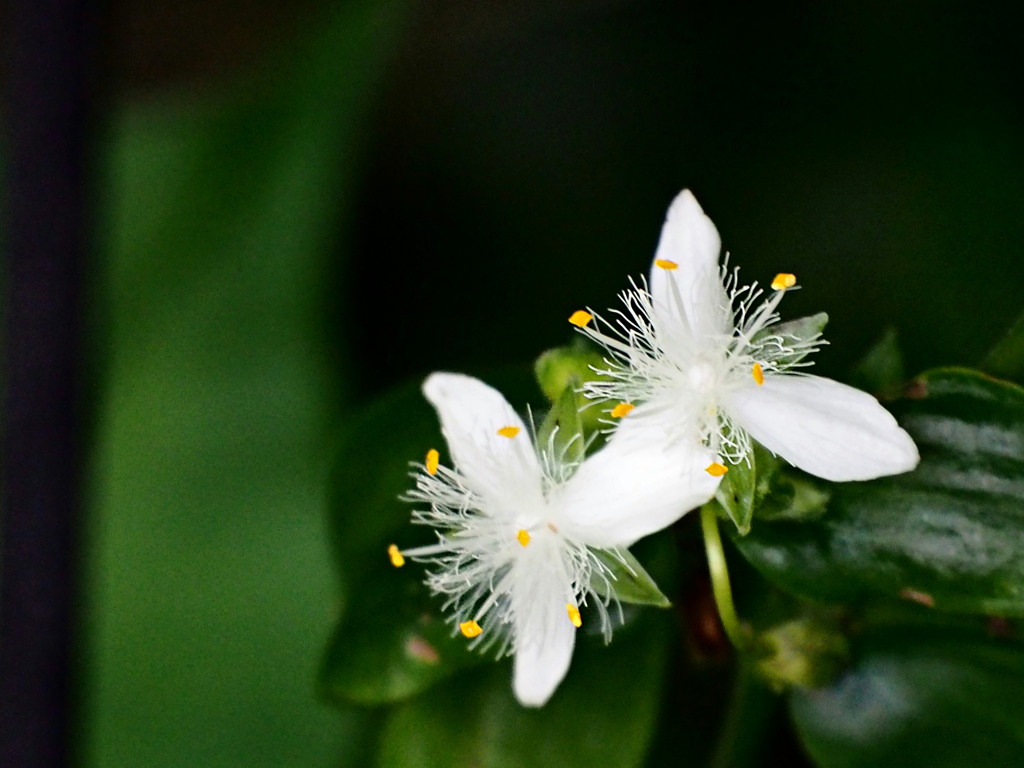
(520, 527)
(699, 354)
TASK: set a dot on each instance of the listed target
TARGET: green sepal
(562, 428)
(795, 332)
(801, 329)
(626, 580)
(567, 368)
(746, 486)
(735, 494)
(557, 367)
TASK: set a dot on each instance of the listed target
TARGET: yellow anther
(783, 280)
(431, 462)
(574, 615)
(715, 469)
(523, 537)
(396, 557)
(665, 264)
(758, 373)
(470, 628)
(508, 431)
(579, 318)
(621, 410)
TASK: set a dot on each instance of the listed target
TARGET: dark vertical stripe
(44, 231)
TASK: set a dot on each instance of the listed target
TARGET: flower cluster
(697, 366)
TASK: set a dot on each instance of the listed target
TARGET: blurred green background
(304, 205)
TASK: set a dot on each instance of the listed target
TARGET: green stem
(720, 586)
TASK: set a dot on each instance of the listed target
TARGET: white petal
(692, 292)
(497, 467)
(643, 480)
(823, 427)
(544, 641)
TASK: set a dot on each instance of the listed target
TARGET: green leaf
(881, 370)
(222, 216)
(391, 644)
(390, 641)
(919, 699)
(793, 496)
(949, 534)
(626, 580)
(1006, 358)
(603, 713)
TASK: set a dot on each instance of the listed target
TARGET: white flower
(700, 354)
(520, 527)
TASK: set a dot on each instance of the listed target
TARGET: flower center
(702, 377)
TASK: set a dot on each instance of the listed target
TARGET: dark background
(518, 160)
(522, 166)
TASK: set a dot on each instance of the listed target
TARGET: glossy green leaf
(390, 641)
(627, 581)
(949, 534)
(793, 497)
(391, 644)
(603, 713)
(919, 699)
(1006, 358)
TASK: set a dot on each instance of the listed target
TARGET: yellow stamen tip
(431, 462)
(715, 469)
(758, 373)
(783, 280)
(574, 615)
(523, 537)
(396, 557)
(579, 318)
(665, 264)
(470, 628)
(621, 410)
(508, 431)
